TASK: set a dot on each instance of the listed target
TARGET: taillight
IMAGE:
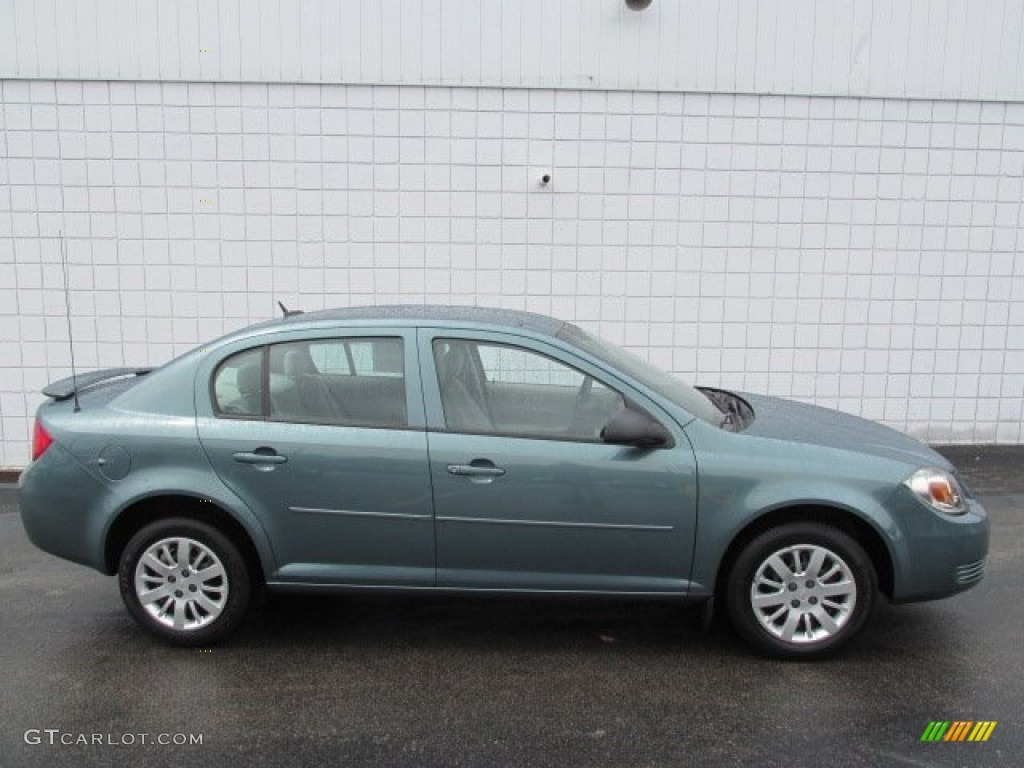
(41, 440)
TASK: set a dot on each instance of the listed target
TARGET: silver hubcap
(803, 594)
(181, 583)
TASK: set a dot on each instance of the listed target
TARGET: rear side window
(357, 381)
(358, 357)
(238, 384)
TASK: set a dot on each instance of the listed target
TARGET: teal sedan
(483, 451)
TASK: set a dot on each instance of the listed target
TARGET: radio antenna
(67, 313)
(288, 312)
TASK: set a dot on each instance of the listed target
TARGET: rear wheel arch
(137, 515)
(853, 525)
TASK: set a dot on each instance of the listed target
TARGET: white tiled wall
(858, 253)
(952, 49)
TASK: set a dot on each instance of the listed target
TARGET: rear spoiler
(65, 388)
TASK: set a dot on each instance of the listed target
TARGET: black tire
(211, 606)
(844, 561)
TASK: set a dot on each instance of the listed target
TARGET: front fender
(725, 514)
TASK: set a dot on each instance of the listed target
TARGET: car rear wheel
(184, 581)
(801, 591)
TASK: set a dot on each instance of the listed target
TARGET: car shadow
(502, 625)
(495, 624)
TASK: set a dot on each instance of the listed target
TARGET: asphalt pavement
(467, 682)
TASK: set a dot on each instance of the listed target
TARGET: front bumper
(938, 555)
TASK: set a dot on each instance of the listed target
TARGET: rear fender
(202, 486)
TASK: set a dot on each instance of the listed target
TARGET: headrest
(248, 379)
(457, 362)
(298, 363)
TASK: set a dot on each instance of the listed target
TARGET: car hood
(779, 419)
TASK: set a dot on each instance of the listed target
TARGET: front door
(323, 438)
(526, 495)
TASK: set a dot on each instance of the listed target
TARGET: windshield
(665, 384)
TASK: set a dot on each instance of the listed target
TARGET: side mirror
(631, 427)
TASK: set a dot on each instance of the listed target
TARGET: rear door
(526, 495)
(322, 435)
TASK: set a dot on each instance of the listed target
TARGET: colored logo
(958, 730)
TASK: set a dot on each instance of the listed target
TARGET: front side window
(507, 390)
(238, 384)
(665, 384)
(358, 381)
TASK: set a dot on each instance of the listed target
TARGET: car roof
(416, 314)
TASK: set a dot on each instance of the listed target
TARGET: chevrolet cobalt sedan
(473, 451)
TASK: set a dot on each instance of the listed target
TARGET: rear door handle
(259, 457)
(475, 470)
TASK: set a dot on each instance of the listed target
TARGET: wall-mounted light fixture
(638, 5)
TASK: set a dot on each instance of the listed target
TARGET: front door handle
(476, 470)
(260, 456)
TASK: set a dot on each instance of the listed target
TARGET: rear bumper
(58, 500)
(942, 555)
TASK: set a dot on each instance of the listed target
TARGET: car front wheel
(801, 590)
(184, 581)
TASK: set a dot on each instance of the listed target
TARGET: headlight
(938, 489)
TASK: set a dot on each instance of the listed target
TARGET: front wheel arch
(849, 523)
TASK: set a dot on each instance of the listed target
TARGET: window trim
(265, 381)
(344, 424)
